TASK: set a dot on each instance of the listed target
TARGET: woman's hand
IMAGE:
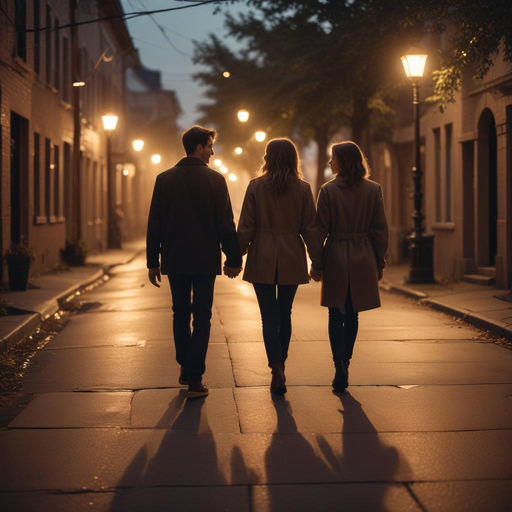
(315, 274)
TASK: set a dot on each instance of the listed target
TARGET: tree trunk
(322, 141)
(358, 121)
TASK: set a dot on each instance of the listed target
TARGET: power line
(124, 17)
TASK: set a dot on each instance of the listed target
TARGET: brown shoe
(278, 384)
(183, 377)
(196, 389)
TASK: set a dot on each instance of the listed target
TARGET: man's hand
(232, 272)
(154, 276)
(315, 274)
(380, 274)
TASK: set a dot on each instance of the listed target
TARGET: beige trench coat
(273, 229)
(353, 220)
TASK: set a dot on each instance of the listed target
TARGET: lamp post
(113, 235)
(421, 246)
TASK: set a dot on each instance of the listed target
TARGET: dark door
(19, 177)
(493, 195)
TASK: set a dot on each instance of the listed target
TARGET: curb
(34, 320)
(495, 327)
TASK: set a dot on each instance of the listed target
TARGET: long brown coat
(353, 220)
(273, 228)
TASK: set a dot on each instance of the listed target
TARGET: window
(56, 65)
(56, 182)
(20, 20)
(48, 36)
(448, 172)
(437, 171)
(66, 80)
(47, 176)
(37, 37)
(37, 176)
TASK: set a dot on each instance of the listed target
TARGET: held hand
(232, 272)
(154, 275)
(315, 274)
(380, 274)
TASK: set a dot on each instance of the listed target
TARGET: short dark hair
(196, 135)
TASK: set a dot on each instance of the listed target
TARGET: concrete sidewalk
(51, 291)
(477, 305)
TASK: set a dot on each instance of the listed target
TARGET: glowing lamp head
(260, 136)
(239, 151)
(217, 162)
(126, 172)
(109, 122)
(414, 62)
(156, 159)
(138, 144)
(243, 115)
(232, 177)
(226, 74)
(223, 169)
(78, 84)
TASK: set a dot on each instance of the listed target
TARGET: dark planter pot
(18, 276)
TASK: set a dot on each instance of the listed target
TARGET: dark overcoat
(273, 229)
(190, 220)
(352, 222)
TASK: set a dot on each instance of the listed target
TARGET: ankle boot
(278, 384)
(347, 364)
(340, 381)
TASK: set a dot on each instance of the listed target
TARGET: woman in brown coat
(278, 216)
(351, 216)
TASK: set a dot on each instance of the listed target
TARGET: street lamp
(223, 169)
(260, 136)
(233, 177)
(243, 115)
(156, 158)
(217, 162)
(226, 74)
(421, 246)
(114, 235)
(138, 144)
(239, 150)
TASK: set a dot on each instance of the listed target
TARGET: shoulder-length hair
(354, 167)
(281, 165)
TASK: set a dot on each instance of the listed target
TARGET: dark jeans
(276, 317)
(192, 296)
(343, 330)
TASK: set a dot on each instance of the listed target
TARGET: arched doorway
(487, 191)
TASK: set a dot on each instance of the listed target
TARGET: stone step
(486, 271)
(479, 279)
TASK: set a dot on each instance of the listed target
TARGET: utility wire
(124, 17)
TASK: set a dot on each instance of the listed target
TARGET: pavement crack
(414, 497)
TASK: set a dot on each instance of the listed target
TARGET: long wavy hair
(354, 166)
(281, 165)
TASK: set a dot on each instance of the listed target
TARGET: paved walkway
(426, 424)
(477, 305)
(49, 292)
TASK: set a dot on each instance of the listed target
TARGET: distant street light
(226, 74)
(239, 150)
(260, 136)
(232, 177)
(243, 115)
(421, 246)
(126, 172)
(223, 169)
(78, 84)
(138, 144)
(156, 159)
(217, 162)
(114, 235)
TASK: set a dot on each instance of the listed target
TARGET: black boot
(340, 381)
(347, 364)
(278, 384)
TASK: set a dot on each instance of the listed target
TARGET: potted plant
(75, 252)
(19, 259)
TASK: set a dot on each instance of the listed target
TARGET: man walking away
(190, 221)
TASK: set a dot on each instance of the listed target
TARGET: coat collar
(191, 160)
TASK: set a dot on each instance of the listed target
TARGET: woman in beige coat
(352, 220)
(278, 216)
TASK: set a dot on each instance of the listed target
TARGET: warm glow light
(239, 151)
(78, 84)
(109, 121)
(138, 144)
(223, 169)
(126, 172)
(414, 62)
(226, 74)
(156, 159)
(217, 162)
(260, 136)
(243, 116)
(232, 177)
